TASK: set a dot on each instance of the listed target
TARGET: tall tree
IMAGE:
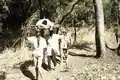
(40, 8)
(75, 31)
(72, 8)
(99, 28)
(118, 12)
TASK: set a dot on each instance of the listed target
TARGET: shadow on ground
(2, 75)
(83, 46)
(25, 69)
(81, 55)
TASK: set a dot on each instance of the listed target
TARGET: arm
(44, 49)
(44, 54)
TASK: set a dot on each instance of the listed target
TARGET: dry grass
(11, 57)
(86, 35)
(11, 60)
(110, 38)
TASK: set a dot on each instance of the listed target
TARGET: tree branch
(68, 12)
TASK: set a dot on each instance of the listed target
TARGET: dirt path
(81, 66)
(76, 62)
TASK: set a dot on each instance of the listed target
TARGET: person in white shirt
(47, 33)
(38, 52)
(55, 40)
(64, 47)
(40, 47)
(52, 49)
(51, 56)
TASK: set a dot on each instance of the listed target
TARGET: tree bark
(75, 34)
(99, 28)
(74, 30)
(69, 11)
(40, 8)
(118, 15)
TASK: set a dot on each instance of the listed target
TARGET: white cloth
(49, 51)
(38, 49)
(69, 37)
(64, 41)
(54, 43)
(49, 23)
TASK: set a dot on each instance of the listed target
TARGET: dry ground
(82, 65)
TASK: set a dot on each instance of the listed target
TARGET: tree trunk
(99, 28)
(75, 33)
(118, 12)
(40, 8)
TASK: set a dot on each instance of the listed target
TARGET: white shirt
(54, 42)
(64, 41)
(38, 49)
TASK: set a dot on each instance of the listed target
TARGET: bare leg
(61, 63)
(54, 58)
(61, 56)
(65, 54)
(49, 62)
(38, 68)
(63, 66)
(36, 71)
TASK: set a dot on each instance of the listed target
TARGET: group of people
(49, 40)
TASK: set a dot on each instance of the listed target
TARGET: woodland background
(78, 16)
